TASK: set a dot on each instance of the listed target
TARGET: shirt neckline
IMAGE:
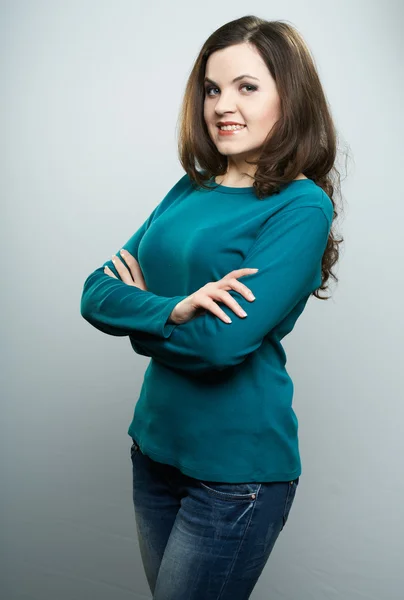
(226, 189)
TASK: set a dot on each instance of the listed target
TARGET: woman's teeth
(231, 127)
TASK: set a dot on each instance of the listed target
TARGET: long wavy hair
(304, 138)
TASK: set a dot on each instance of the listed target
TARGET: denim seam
(292, 483)
(240, 544)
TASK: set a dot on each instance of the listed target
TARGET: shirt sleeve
(288, 252)
(119, 309)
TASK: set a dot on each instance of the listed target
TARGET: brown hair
(303, 140)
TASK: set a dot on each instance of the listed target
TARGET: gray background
(90, 93)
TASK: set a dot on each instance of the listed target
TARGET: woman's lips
(230, 131)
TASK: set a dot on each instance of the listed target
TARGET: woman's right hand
(203, 300)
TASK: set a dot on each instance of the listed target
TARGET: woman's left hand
(133, 275)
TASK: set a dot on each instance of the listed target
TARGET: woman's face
(251, 101)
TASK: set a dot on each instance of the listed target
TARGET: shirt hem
(217, 476)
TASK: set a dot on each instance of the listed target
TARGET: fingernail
(122, 251)
(227, 319)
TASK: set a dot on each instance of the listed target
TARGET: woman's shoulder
(305, 193)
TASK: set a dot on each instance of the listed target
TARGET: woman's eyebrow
(234, 80)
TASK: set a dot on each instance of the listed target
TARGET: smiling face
(252, 101)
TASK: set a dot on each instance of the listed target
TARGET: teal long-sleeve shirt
(216, 399)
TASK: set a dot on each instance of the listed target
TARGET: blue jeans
(203, 540)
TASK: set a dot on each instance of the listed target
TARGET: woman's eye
(208, 89)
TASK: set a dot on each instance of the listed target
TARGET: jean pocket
(239, 492)
(290, 496)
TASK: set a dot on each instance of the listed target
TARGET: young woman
(207, 287)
